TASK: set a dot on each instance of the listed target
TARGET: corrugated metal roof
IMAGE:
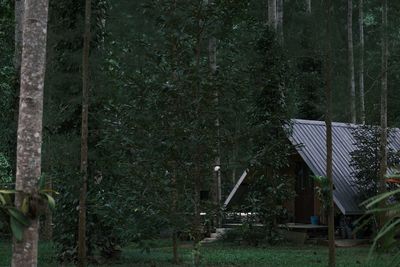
(309, 137)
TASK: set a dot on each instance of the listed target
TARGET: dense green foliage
(385, 204)
(7, 109)
(366, 159)
(7, 81)
(270, 149)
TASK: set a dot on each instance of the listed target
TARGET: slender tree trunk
(234, 174)
(82, 246)
(197, 157)
(350, 50)
(175, 243)
(174, 210)
(272, 16)
(279, 19)
(197, 217)
(29, 140)
(212, 60)
(329, 148)
(48, 223)
(175, 246)
(19, 16)
(19, 21)
(235, 154)
(362, 90)
(384, 131)
(212, 55)
(308, 6)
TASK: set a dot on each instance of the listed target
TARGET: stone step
(216, 235)
(208, 240)
(223, 230)
(219, 232)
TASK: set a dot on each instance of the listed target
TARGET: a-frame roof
(309, 138)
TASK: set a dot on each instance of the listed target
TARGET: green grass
(225, 255)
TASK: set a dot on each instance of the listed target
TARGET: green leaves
(42, 182)
(50, 200)
(5, 169)
(18, 223)
(322, 189)
(16, 228)
(2, 200)
(385, 206)
(18, 216)
(5, 199)
(379, 198)
(17, 219)
(45, 193)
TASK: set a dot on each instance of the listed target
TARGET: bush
(366, 159)
(252, 235)
(5, 172)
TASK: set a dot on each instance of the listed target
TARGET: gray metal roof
(309, 137)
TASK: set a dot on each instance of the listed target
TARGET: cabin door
(304, 202)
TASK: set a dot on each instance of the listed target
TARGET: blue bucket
(314, 220)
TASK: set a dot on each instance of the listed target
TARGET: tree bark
(384, 131)
(279, 19)
(235, 153)
(212, 60)
(173, 164)
(48, 223)
(82, 246)
(362, 90)
(29, 139)
(272, 16)
(308, 6)
(19, 15)
(19, 21)
(197, 157)
(329, 148)
(175, 244)
(350, 50)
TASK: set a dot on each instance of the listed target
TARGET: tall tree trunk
(197, 229)
(19, 21)
(29, 140)
(197, 157)
(272, 16)
(329, 148)
(279, 20)
(384, 131)
(48, 223)
(350, 50)
(308, 6)
(235, 153)
(175, 244)
(19, 17)
(212, 60)
(82, 249)
(174, 185)
(362, 90)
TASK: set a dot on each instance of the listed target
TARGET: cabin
(309, 141)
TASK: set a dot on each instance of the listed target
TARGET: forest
(199, 133)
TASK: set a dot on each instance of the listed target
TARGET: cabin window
(204, 195)
(303, 177)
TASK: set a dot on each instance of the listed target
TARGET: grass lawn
(220, 254)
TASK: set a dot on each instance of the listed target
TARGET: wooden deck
(302, 226)
(290, 226)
